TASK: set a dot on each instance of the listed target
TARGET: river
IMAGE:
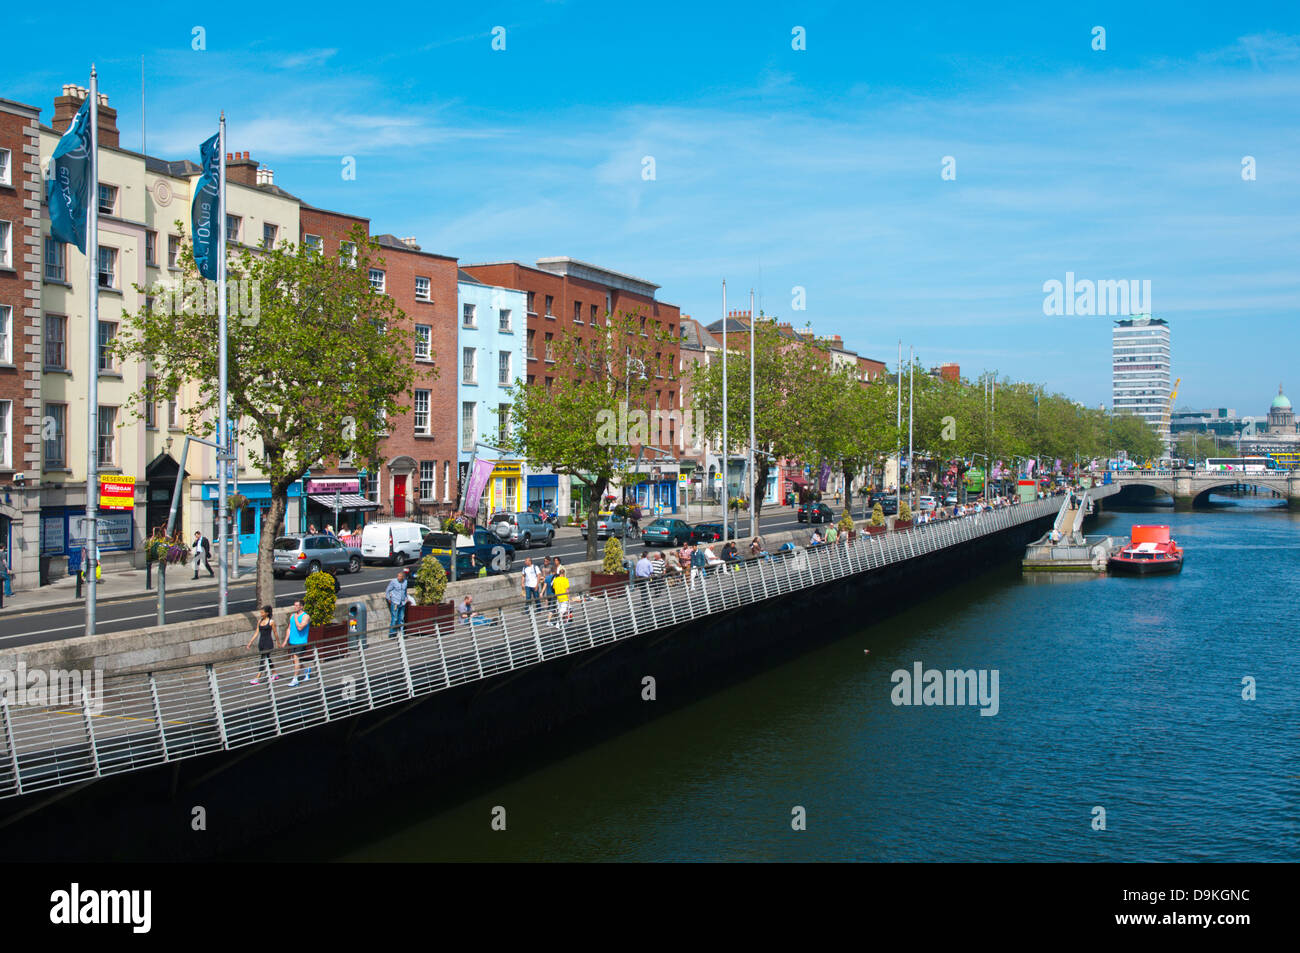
(1113, 693)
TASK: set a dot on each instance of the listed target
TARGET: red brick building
(20, 339)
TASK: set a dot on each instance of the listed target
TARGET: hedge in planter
(904, 516)
(430, 590)
(877, 524)
(320, 602)
(614, 573)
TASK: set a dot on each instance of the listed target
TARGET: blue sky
(777, 168)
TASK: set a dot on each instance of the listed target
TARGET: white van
(395, 543)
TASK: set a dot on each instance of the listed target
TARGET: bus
(1241, 464)
(1285, 460)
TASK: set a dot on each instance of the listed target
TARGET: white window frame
(313, 244)
(102, 358)
(6, 167)
(431, 480)
(6, 435)
(56, 257)
(503, 321)
(108, 414)
(468, 415)
(47, 339)
(424, 342)
(348, 254)
(173, 251)
(6, 334)
(60, 439)
(504, 367)
(378, 280)
(423, 428)
(469, 316)
(6, 244)
(111, 208)
(422, 295)
(232, 233)
(469, 365)
(112, 267)
(275, 234)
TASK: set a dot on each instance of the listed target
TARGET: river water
(1114, 693)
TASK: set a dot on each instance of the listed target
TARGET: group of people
(295, 640)
(547, 584)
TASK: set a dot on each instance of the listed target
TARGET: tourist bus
(1285, 460)
(1241, 464)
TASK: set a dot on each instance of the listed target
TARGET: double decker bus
(1285, 460)
(1240, 464)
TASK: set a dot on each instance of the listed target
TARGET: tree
(313, 375)
(587, 424)
(1196, 446)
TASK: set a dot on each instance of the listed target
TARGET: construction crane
(1168, 413)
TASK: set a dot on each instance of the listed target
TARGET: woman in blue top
(295, 638)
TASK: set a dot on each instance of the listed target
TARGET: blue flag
(67, 189)
(204, 211)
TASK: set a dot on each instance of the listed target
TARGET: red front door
(399, 495)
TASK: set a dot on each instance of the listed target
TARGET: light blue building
(491, 336)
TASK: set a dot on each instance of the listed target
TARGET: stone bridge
(1191, 488)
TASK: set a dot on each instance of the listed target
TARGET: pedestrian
(658, 570)
(561, 587)
(396, 595)
(295, 639)
(201, 550)
(329, 531)
(699, 563)
(757, 548)
(643, 572)
(532, 584)
(4, 570)
(466, 609)
(265, 635)
(831, 533)
(311, 528)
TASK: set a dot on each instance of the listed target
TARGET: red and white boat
(1149, 551)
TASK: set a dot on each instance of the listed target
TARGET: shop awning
(798, 479)
(347, 501)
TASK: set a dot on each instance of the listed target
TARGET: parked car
(927, 504)
(395, 543)
(950, 499)
(523, 530)
(666, 532)
(484, 548)
(888, 502)
(709, 533)
(607, 524)
(814, 513)
(301, 554)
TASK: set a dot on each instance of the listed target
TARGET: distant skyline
(779, 168)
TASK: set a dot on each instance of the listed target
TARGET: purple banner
(477, 482)
(1029, 467)
(824, 477)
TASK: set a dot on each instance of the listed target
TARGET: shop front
(249, 518)
(543, 492)
(337, 502)
(657, 491)
(505, 489)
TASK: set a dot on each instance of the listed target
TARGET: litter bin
(356, 621)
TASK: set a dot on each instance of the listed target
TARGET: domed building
(1281, 419)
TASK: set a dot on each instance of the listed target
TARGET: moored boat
(1149, 551)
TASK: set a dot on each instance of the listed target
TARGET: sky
(778, 168)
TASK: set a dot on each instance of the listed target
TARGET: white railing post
(216, 707)
(442, 656)
(157, 715)
(505, 634)
(586, 620)
(406, 664)
(365, 677)
(537, 632)
(609, 611)
(320, 680)
(631, 610)
(473, 640)
(9, 743)
(270, 691)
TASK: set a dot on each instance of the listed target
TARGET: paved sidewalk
(115, 586)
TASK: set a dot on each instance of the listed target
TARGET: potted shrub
(904, 519)
(320, 601)
(846, 525)
(877, 524)
(612, 571)
(430, 590)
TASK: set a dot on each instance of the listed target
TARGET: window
(503, 367)
(107, 331)
(6, 419)
(550, 300)
(426, 479)
(503, 317)
(532, 302)
(312, 244)
(532, 351)
(503, 420)
(348, 253)
(108, 267)
(6, 167)
(173, 250)
(532, 379)
(6, 334)
(56, 327)
(150, 404)
(151, 248)
(174, 413)
(422, 412)
(53, 428)
(6, 243)
(423, 339)
(107, 435)
(377, 280)
(468, 365)
(467, 316)
(233, 225)
(550, 352)
(467, 424)
(577, 312)
(107, 199)
(593, 314)
(55, 268)
(269, 234)
(421, 288)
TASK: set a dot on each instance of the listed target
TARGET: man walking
(295, 639)
(643, 571)
(202, 553)
(532, 584)
(395, 595)
(699, 562)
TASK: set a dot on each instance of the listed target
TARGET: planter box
(605, 580)
(900, 525)
(331, 639)
(425, 617)
(874, 530)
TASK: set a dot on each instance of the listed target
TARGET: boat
(1149, 551)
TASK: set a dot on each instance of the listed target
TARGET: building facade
(1140, 370)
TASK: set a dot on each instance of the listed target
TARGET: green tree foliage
(316, 374)
(430, 582)
(321, 597)
(613, 560)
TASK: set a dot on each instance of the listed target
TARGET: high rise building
(1140, 370)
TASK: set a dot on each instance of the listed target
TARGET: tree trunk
(272, 523)
(759, 490)
(848, 491)
(593, 513)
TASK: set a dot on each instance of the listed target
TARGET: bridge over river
(139, 721)
(1191, 488)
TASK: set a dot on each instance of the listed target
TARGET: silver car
(523, 529)
(301, 554)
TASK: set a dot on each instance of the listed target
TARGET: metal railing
(138, 721)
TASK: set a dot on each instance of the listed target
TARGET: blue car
(488, 551)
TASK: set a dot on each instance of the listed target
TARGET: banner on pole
(205, 209)
(477, 483)
(67, 190)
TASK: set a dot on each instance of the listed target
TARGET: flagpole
(753, 484)
(90, 531)
(223, 434)
(911, 376)
(726, 452)
(898, 425)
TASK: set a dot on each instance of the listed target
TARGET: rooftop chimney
(241, 169)
(411, 243)
(265, 176)
(65, 110)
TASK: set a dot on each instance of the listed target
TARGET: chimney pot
(245, 156)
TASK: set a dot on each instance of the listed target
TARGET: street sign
(116, 492)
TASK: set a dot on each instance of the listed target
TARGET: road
(55, 624)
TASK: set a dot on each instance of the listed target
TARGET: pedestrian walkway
(115, 586)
